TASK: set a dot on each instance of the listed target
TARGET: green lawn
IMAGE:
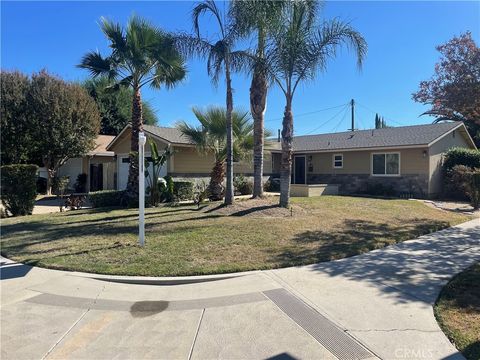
(458, 311)
(186, 241)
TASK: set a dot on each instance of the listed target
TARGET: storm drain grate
(323, 330)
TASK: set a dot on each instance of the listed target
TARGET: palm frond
(202, 8)
(97, 65)
(115, 33)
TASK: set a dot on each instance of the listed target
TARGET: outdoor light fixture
(141, 187)
(424, 153)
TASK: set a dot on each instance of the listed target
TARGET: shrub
(453, 157)
(379, 189)
(461, 156)
(242, 185)
(183, 190)
(272, 185)
(19, 188)
(200, 193)
(468, 181)
(81, 183)
(59, 185)
(106, 198)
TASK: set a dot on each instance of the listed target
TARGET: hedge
(19, 188)
(461, 156)
(105, 198)
(458, 157)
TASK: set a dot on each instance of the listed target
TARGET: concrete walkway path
(376, 305)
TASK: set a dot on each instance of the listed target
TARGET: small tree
(65, 121)
(157, 160)
(211, 138)
(452, 92)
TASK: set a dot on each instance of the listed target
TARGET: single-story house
(407, 159)
(99, 165)
(186, 163)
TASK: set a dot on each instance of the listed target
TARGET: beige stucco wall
(412, 161)
(436, 151)
(186, 160)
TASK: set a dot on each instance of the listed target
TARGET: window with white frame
(386, 164)
(337, 161)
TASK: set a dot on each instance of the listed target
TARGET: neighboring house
(185, 163)
(99, 165)
(407, 159)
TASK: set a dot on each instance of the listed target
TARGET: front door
(299, 168)
(96, 177)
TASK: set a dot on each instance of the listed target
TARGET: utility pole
(352, 104)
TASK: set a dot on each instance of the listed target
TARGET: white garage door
(123, 165)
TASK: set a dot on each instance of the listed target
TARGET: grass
(458, 311)
(185, 240)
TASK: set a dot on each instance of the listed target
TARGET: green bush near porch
(106, 198)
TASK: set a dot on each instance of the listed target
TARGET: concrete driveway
(376, 305)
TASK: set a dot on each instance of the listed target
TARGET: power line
(377, 112)
(341, 120)
(344, 108)
(307, 113)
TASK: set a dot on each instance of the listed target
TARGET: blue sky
(401, 37)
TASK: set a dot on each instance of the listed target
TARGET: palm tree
(301, 47)
(211, 138)
(141, 54)
(261, 18)
(221, 58)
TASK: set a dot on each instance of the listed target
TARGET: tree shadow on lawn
(254, 209)
(55, 236)
(414, 270)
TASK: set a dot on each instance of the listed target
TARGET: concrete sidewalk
(374, 305)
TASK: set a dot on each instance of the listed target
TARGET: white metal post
(141, 187)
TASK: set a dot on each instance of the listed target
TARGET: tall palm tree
(221, 58)
(211, 138)
(261, 18)
(301, 46)
(141, 54)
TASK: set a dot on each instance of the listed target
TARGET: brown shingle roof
(170, 134)
(101, 143)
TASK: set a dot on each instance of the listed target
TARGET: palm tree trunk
(258, 101)
(137, 126)
(286, 165)
(229, 195)
(215, 188)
